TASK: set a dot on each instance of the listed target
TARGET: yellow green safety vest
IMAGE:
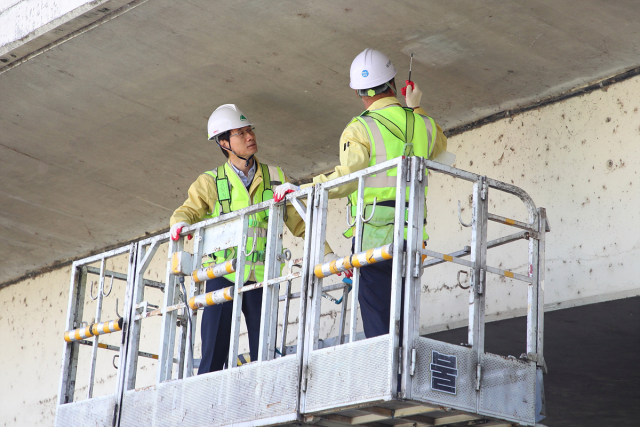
(393, 131)
(233, 196)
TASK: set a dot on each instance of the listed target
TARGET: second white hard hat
(370, 69)
(226, 117)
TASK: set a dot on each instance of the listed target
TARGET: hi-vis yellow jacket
(203, 202)
(358, 151)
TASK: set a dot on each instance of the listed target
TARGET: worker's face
(243, 141)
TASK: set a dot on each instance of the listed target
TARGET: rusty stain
(303, 15)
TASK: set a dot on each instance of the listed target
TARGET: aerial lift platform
(393, 379)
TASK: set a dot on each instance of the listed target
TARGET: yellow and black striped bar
(361, 259)
(466, 263)
(211, 298)
(93, 330)
(510, 274)
(214, 271)
(244, 358)
(513, 223)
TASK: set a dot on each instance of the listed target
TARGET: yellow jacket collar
(384, 102)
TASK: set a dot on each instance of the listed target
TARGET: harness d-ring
(373, 211)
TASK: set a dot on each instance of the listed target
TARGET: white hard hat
(370, 69)
(226, 117)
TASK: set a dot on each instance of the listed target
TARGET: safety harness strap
(224, 190)
(406, 137)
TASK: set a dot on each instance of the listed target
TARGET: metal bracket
(404, 263)
(481, 281)
(417, 268)
(478, 376)
(305, 375)
(348, 210)
(483, 193)
(91, 291)
(460, 217)
(414, 355)
(399, 360)
(373, 211)
(459, 283)
(421, 170)
(533, 357)
(110, 288)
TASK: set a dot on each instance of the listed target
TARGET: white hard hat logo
(365, 73)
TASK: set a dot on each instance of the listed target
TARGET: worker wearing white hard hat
(241, 182)
(381, 130)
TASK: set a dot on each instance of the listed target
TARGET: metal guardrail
(310, 364)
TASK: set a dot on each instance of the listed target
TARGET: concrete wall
(578, 158)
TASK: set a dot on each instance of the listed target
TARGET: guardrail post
(126, 330)
(542, 222)
(70, 350)
(413, 264)
(192, 314)
(236, 316)
(94, 347)
(270, 293)
(477, 289)
(168, 325)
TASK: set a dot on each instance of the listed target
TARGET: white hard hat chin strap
(247, 161)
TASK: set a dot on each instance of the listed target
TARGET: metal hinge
(478, 376)
(420, 170)
(399, 360)
(414, 355)
(418, 266)
(481, 280)
(404, 263)
(305, 377)
(483, 192)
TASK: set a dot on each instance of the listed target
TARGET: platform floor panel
(256, 394)
(348, 374)
(95, 412)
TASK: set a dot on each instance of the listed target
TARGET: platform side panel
(450, 379)
(253, 393)
(349, 374)
(96, 412)
(508, 389)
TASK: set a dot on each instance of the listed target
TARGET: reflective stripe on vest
(388, 142)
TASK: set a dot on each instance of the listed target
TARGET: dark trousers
(374, 296)
(216, 326)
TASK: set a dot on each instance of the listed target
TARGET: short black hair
(224, 136)
(378, 89)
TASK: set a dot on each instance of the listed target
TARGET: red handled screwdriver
(408, 82)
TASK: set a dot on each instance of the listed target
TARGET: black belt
(390, 203)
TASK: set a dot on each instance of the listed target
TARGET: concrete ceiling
(101, 136)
